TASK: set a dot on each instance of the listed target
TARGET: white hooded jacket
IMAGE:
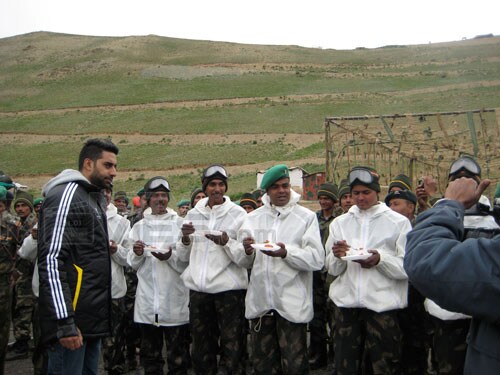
(383, 287)
(118, 228)
(214, 268)
(282, 284)
(161, 297)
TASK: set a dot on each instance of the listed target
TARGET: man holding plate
(161, 302)
(281, 239)
(365, 251)
(216, 281)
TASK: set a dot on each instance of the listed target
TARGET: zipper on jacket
(274, 229)
(365, 226)
(155, 290)
(211, 224)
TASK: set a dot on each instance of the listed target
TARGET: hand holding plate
(370, 262)
(163, 255)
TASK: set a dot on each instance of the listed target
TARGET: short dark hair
(93, 148)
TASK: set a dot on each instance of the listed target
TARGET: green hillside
(174, 105)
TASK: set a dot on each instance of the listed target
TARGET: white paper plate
(212, 232)
(357, 256)
(153, 249)
(265, 246)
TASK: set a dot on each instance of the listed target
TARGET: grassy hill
(173, 106)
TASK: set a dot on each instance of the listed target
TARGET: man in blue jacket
(74, 263)
(460, 276)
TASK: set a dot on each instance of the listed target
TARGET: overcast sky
(335, 24)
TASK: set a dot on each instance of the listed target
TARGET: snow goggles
(363, 175)
(214, 170)
(160, 182)
(465, 164)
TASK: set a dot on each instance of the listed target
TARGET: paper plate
(265, 246)
(212, 232)
(153, 249)
(357, 256)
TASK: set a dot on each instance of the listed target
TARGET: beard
(100, 181)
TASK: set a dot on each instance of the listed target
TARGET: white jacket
(161, 297)
(29, 251)
(118, 228)
(383, 287)
(214, 268)
(283, 284)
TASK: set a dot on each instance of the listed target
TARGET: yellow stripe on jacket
(78, 285)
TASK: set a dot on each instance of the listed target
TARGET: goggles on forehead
(160, 182)
(213, 170)
(465, 164)
(363, 175)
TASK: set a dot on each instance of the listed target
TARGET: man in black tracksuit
(74, 263)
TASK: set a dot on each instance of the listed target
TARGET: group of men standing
(207, 279)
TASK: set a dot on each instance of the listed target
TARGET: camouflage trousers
(23, 302)
(318, 325)
(113, 347)
(365, 335)
(415, 326)
(218, 327)
(177, 342)
(5, 317)
(40, 357)
(449, 344)
(278, 346)
(131, 330)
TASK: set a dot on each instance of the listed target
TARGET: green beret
(37, 201)
(183, 202)
(3, 193)
(328, 190)
(274, 174)
(140, 193)
(402, 181)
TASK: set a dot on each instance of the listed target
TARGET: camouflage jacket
(8, 243)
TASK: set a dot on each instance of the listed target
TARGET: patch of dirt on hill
(304, 98)
(297, 140)
(37, 182)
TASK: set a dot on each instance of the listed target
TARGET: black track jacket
(73, 259)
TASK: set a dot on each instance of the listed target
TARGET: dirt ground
(36, 182)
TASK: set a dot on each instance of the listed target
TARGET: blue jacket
(460, 276)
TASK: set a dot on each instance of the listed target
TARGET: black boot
(18, 350)
(318, 357)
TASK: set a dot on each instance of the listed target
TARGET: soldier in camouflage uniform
(217, 283)
(414, 320)
(319, 338)
(370, 289)
(118, 231)
(131, 330)
(279, 297)
(8, 246)
(23, 298)
(161, 306)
